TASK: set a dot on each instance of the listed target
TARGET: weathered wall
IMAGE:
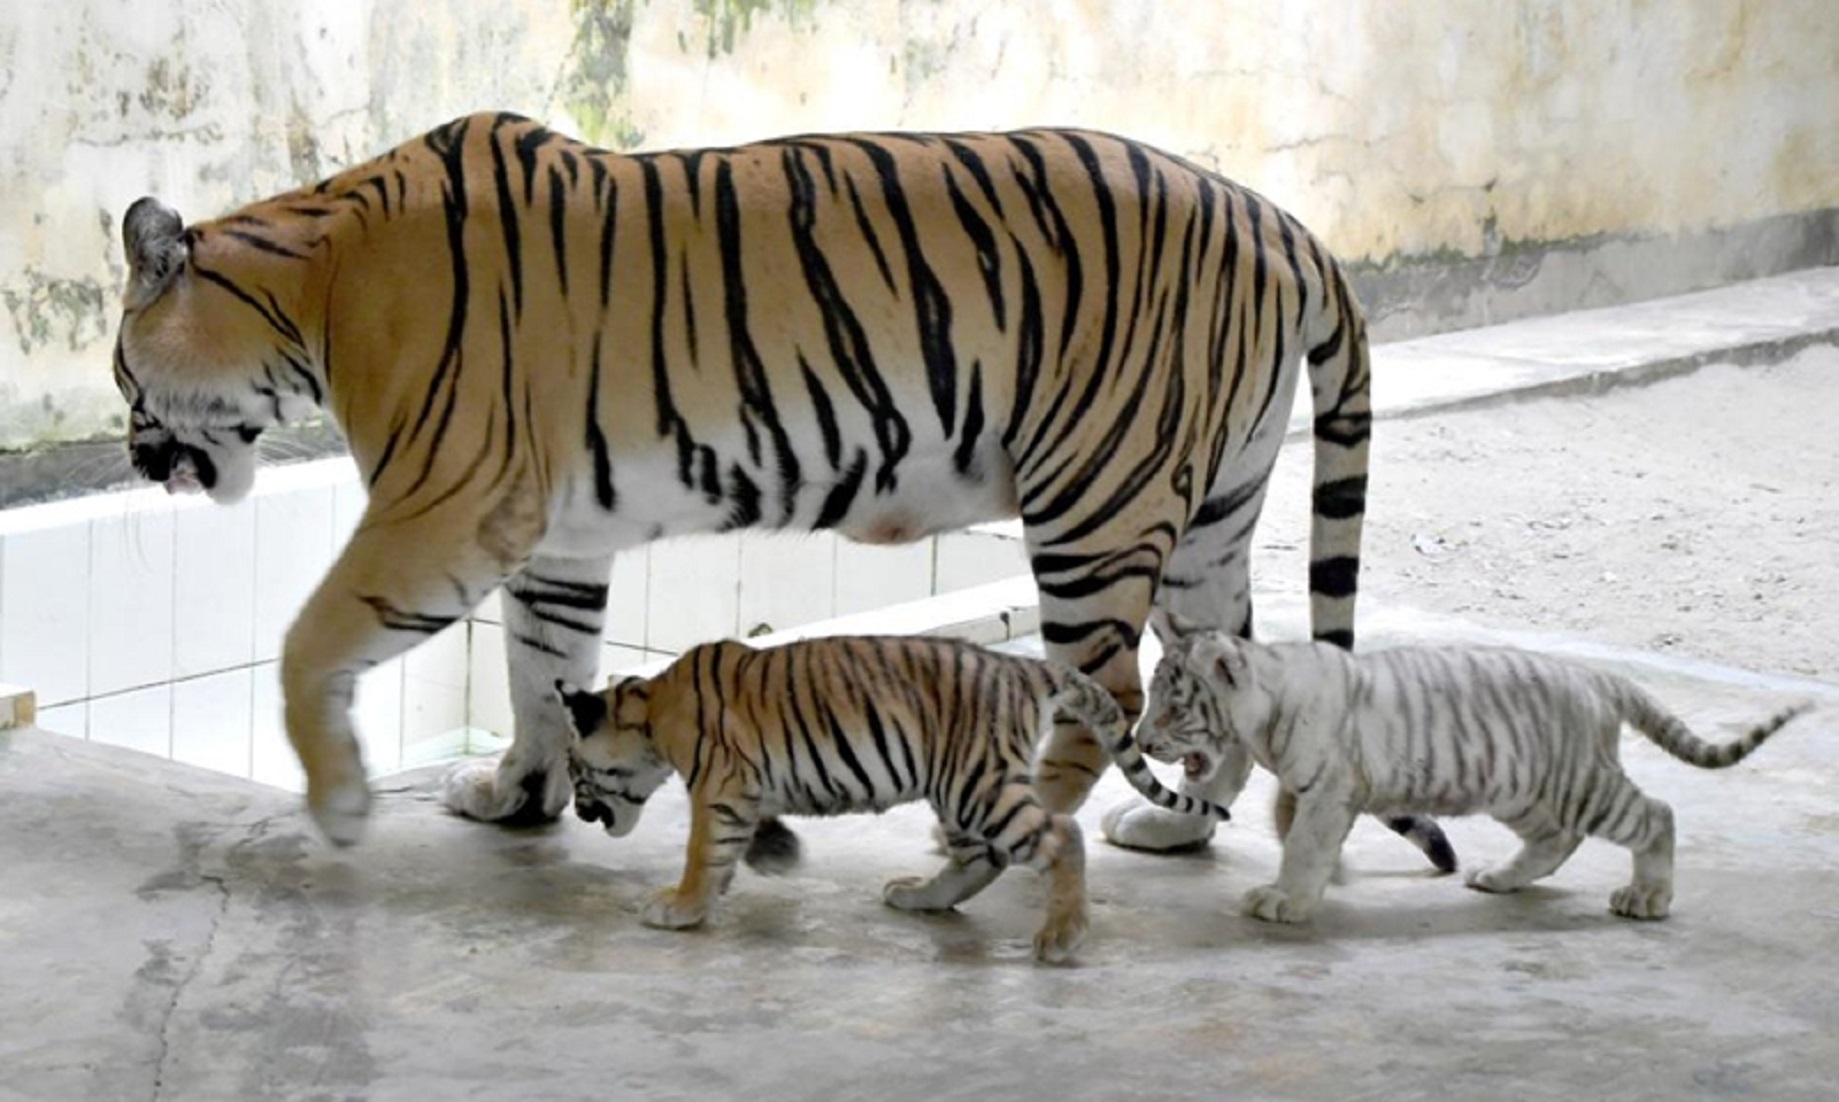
(1404, 133)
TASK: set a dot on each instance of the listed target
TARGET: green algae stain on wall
(46, 312)
(595, 82)
(730, 19)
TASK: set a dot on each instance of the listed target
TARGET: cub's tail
(1087, 700)
(1646, 715)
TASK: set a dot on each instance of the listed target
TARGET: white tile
(214, 589)
(434, 687)
(66, 719)
(870, 576)
(44, 594)
(272, 758)
(130, 602)
(616, 660)
(488, 696)
(348, 503)
(490, 610)
(293, 548)
(626, 598)
(966, 559)
(786, 580)
(211, 722)
(140, 720)
(377, 716)
(693, 591)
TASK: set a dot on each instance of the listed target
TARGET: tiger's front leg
(374, 604)
(720, 826)
(553, 611)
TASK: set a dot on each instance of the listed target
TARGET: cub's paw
(1144, 826)
(1642, 901)
(1055, 942)
(1272, 904)
(912, 893)
(1493, 880)
(340, 809)
(668, 910)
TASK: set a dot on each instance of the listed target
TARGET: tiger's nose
(153, 461)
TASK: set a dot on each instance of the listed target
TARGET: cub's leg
(967, 871)
(1645, 826)
(721, 824)
(375, 603)
(1545, 844)
(553, 610)
(1324, 815)
(1065, 926)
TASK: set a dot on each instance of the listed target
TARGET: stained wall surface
(1404, 134)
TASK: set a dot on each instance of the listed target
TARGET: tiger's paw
(1650, 901)
(912, 893)
(340, 809)
(1271, 903)
(773, 850)
(1138, 825)
(1055, 942)
(668, 910)
(1493, 880)
(486, 791)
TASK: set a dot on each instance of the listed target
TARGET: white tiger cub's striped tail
(1668, 732)
(1340, 384)
(1088, 701)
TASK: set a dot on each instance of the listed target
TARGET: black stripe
(843, 494)
(1341, 498)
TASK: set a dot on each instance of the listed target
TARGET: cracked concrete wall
(1404, 133)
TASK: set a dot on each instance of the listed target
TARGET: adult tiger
(542, 353)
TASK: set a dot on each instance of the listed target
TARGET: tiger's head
(614, 763)
(1202, 696)
(208, 355)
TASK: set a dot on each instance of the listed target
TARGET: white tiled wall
(156, 623)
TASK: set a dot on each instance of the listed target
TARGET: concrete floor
(171, 933)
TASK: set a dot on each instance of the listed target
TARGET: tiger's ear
(153, 237)
(586, 711)
(1217, 655)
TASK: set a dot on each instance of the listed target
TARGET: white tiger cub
(1528, 739)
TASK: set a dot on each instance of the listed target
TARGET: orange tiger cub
(834, 725)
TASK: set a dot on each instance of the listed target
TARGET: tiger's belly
(931, 490)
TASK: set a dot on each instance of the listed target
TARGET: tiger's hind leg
(1545, 845)
(1207, 584)
(968, 870)
(1645, 825)
(553, 611)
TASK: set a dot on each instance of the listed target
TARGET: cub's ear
(153, 237)
(1217, 655)
(586, 711)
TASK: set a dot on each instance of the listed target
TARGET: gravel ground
(1696, 516)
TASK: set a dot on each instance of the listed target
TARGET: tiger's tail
(1668, 732)
(1340, 382)
(1092, 705)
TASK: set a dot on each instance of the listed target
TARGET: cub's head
(1201, 698)
(208, 355)
(614, 764)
